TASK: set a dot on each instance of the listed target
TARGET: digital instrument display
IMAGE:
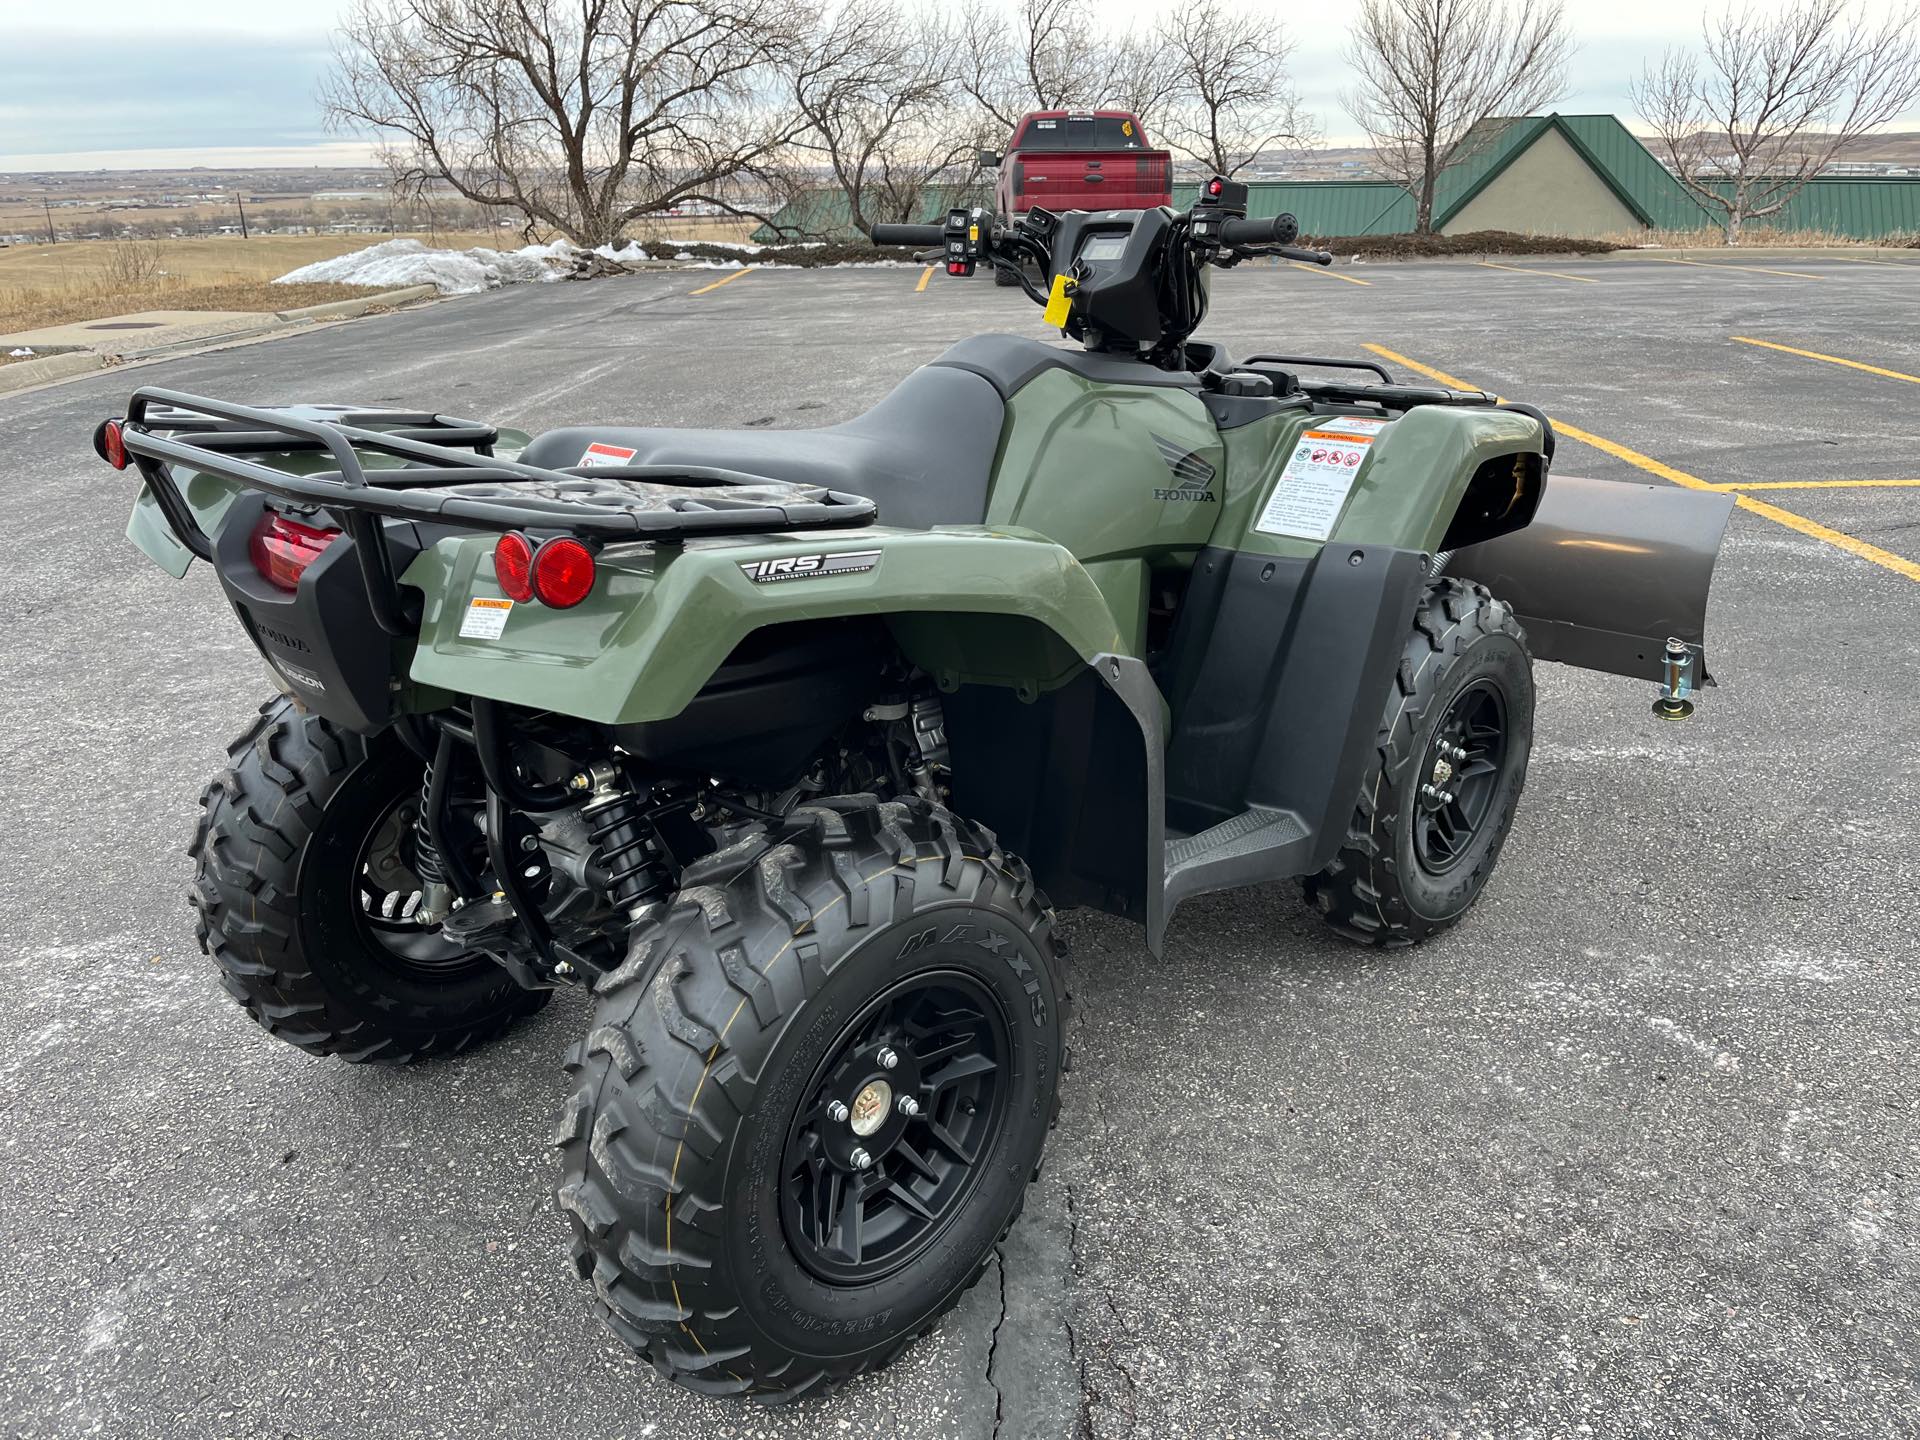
(1103, 247)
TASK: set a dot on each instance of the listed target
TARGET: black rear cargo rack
(450, 477)
(216, 437)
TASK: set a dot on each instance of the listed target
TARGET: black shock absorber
(618, 826)
(426, 854)
(434, 860)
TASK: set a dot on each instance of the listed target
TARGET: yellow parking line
(1817, 484)
(1886, 559)
(1830, 359)
(1529, 270)
(925, 276)
(1330, 274)
(736, 275)
(1750, 269)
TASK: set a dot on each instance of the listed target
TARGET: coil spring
(619, 830)
(426, 855)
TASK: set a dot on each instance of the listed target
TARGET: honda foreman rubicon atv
(778, 744)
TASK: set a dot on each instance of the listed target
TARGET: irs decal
(809, 567)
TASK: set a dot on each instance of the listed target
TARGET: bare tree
(877, 87)
(1054, 55)
(1781, 94)
(580, 114)
(1432, 73)
(1231, 98)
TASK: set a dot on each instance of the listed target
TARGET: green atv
(778, 744)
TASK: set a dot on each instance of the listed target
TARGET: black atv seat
(924, 454)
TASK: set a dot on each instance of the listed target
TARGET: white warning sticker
(485, 618)
(1312, 491)
(600, 453)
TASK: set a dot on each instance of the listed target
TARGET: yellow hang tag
(1057, 303)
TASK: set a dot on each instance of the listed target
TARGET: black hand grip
(1244, 234)
(909, 235)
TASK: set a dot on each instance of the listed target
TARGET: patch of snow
(23, 350)
(396, 263)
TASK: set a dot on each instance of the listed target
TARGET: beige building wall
(1548, 190)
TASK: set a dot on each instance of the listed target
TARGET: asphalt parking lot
(1634, 1151)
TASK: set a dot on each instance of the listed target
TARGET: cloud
(119, 91)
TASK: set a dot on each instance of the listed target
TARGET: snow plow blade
(1607, 572)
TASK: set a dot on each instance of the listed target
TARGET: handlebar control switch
(1220, 200)
(965, 240)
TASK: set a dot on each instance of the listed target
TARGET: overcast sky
(124, 83)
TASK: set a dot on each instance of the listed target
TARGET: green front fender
(1013, 609)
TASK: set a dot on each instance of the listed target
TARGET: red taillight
(562, 572)
(513, 566)
(1019, 178)
(111, 444)
(282, 548)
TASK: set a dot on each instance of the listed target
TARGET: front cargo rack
(449, 475)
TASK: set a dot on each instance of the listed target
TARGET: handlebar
(921, 235)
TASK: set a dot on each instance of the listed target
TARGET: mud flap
(1607, 572)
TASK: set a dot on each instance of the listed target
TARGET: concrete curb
(336, 309)
(191, 339)
(53, 367)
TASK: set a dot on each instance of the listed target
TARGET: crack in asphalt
(993, 1339)
(1128, 1400)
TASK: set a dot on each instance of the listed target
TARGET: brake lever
(1306, 257)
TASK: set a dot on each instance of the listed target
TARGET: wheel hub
(886, 1147)
(1464, 762)
(870, 1107)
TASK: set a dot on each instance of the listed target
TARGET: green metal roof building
(1575, 175)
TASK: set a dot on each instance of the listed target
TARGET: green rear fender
(968, 605)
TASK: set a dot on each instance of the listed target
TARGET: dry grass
(33, 309)
(86, 279)
(217, 259)
(1713, 237)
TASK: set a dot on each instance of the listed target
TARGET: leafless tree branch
(1432, 73)
(1776, 97)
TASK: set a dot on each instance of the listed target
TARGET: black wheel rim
(852, 1223)
(1459, 777)
(387, 892)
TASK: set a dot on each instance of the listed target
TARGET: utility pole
(47, 205)
(243, 215)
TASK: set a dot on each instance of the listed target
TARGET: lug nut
(1429, 791)
(908, 1106)
(838, 1112)
(887, 1058)
(861, 1160)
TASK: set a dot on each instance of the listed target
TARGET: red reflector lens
(562, 573)
(113, 445)
(282, 549)
(513, 566)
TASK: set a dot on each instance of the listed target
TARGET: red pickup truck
(1080, 160)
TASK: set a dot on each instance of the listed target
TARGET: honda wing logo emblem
(1194, 474)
